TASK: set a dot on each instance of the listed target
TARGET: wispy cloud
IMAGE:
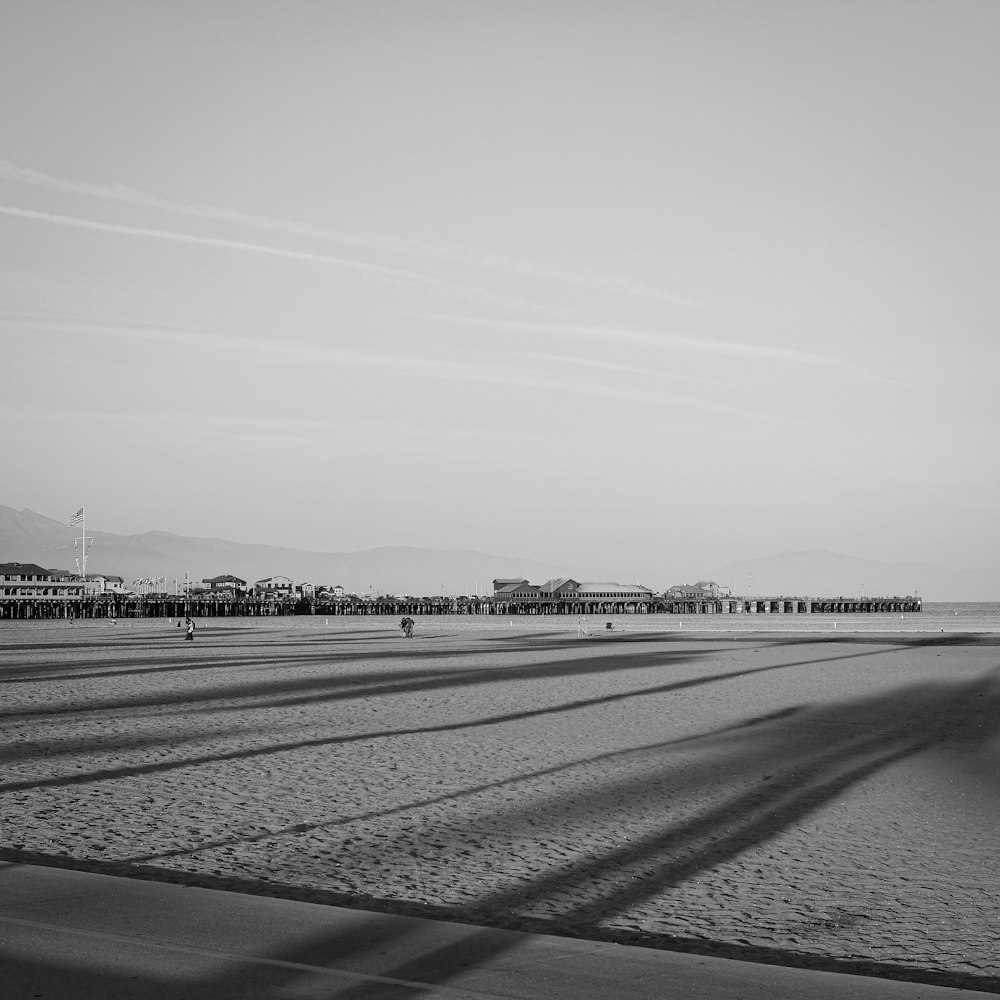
(621, 283)
(171, 236)
(414, 279)
(626, 335)
(614, 367)
(294, 351)
(285, 349)
(321, 430)
(472, 256)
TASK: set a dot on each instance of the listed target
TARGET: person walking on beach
(189, 625)
(406, 625)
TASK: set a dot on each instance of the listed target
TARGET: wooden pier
(113, 606)
(795, 605)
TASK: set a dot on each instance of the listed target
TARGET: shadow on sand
(769, 772)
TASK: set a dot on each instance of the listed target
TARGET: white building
(103, 584)
(275, 586)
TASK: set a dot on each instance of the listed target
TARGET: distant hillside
(820, 573)
(26, 536)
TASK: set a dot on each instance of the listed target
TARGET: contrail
(170, 236)
(707, 345)
(218, 241)
(312, 353)
(122, 194)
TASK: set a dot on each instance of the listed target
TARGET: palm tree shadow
(775, 769)
(780, 772)
(341, 689)
(777, 772)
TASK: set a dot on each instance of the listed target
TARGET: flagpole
(80, 518)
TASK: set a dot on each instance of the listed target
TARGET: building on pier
(515, 590)
(562, 595)
(102, 583)
(275, 586)
(31, 581)
(226, 584)
(705, 589)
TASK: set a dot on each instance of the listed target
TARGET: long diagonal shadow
(86, 777)
(239, 695)
(408, 683)
(718, 834)
(161, 766)
(266, 654)
(470, 792)
(535, 671)
(901, 724)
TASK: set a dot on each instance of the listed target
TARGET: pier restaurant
(569, 597)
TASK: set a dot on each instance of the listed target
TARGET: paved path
(67, 935)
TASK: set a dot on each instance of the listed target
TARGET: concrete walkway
(68, 935)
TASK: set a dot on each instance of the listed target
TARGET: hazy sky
(648, 285)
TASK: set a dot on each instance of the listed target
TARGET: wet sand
(808, 800)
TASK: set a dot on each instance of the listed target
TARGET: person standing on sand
(407, 627)
(189, 625)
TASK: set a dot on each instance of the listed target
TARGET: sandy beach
(828, 801)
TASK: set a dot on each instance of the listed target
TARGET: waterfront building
(226, 585)
(706, 589)
(515, 590)
(563, 595)
(101, 583)
(275, 586)
(29, 580)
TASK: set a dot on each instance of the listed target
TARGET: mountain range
(821, 573)
(26, 536)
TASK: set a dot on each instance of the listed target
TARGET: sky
(664, 284)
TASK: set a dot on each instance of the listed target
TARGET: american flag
(76, 519)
